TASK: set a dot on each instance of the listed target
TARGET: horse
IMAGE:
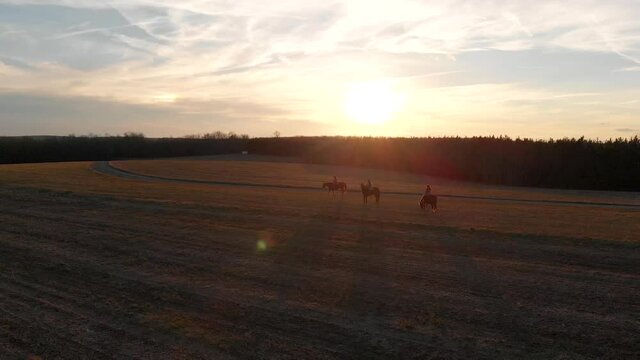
(429, 200)
(342, 187)
(366, 192)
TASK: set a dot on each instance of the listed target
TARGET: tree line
(29, 149)
(564, 163)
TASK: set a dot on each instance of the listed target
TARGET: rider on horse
(369, 190)
(429, 199)
(334, 185)
(427, 192)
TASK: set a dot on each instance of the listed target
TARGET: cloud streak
(297, 55)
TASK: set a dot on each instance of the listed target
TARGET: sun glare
(165, 98)
(372, 103)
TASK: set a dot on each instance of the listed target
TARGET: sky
(536, 69)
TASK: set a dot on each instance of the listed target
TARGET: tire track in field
(107, 168)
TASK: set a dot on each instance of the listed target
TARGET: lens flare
(261, 245)
(265, 240)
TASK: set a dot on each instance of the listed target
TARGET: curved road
(106, 168)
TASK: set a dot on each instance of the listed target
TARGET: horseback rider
(335, 180)
(369, 190)
(427, 192)
(429, 199)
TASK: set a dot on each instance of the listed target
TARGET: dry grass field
(97, 266)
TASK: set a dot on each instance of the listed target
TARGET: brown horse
(366, 192)
(429, 200)
(342, 187)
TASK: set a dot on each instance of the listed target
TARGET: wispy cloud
(296, 55)
(111, 29)
(629, 69)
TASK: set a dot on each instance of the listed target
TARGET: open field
(293, 172)
(99, 266)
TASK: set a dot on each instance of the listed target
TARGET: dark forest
(565, 163)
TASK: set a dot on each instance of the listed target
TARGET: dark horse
(429, 200)
(366, 192)
(342, 187)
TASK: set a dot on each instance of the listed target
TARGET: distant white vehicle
(245, 153)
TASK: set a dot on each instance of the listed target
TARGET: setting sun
(165, 98)
(372, 103)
